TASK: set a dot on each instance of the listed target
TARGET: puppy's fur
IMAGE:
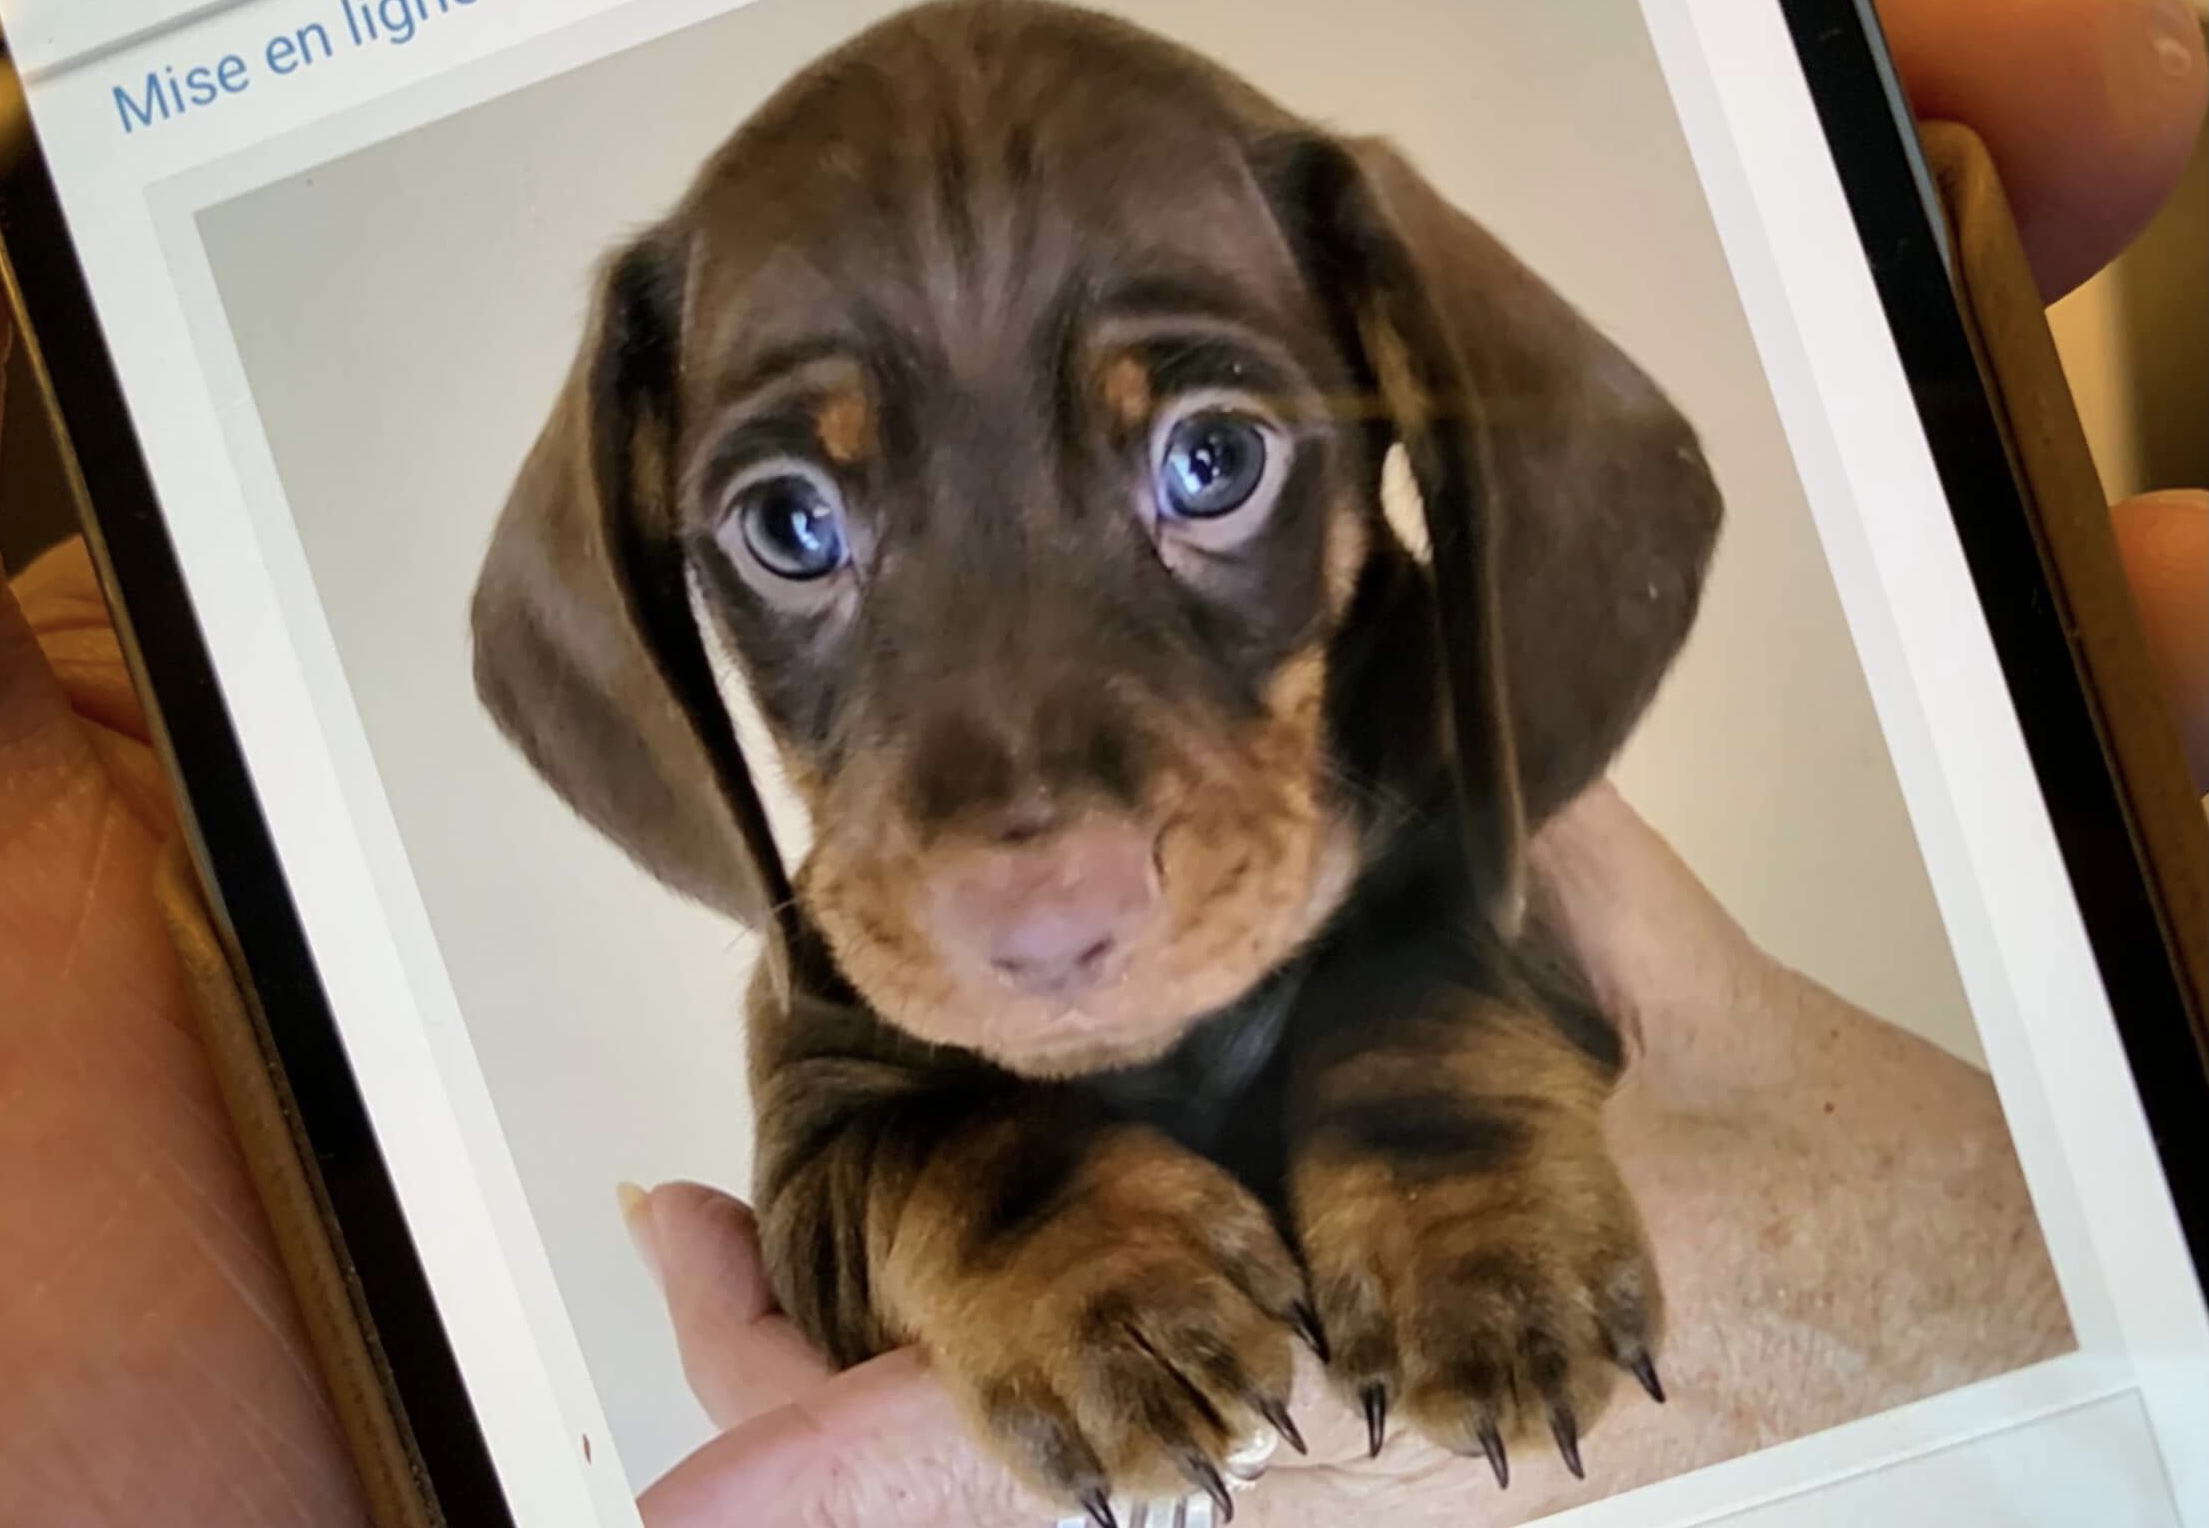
(1347, 1085)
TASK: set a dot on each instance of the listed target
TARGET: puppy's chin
(1166, 988)
(1073, 1045)
(1127, 1023)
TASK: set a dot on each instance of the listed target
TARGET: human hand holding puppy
(1752, 1117)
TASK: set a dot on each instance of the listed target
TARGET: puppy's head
(1014, 388)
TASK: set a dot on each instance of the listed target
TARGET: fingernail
(636, 1214)
(1246, 1462)
(2175, 39)
(2153, 50)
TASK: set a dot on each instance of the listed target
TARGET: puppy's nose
(1055, 951)
(1055, 915)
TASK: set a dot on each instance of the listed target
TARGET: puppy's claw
(1567, 1432)
(1491, 1444)
(1204, 1473)
(1277, 1413)
(1643, 1369)
(1307, 1327)
(1375, 1400)
(1099, 1507)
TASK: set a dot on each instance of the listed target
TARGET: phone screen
(1037, 426)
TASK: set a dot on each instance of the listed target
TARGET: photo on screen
(1045, 474)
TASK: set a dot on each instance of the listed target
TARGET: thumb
(2088, 107)
(66, 700)
(40, 746)
(741, 1356)
(1661, 950)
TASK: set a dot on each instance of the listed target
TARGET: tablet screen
(374, 273)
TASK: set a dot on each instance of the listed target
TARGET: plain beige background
(407, 314)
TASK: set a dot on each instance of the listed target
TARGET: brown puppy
(1012, 393)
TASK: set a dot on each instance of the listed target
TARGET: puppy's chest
(1225, 1092)
(1222, 1092)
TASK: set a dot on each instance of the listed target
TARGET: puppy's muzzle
(1054, 912)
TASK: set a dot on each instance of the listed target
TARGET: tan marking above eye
(846, 427)
(1127, 389)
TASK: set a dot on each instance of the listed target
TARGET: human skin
(1836, 1212)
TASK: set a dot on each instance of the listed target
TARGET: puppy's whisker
(769, 914)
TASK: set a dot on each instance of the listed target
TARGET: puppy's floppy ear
(586, 651)
(1570, 513)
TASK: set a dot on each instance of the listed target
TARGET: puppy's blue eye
(1211, 466)
(793, 525)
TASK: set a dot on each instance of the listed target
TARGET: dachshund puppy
(1010, 396)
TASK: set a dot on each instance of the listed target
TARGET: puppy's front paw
(1488, 1282)
(1115, 1334)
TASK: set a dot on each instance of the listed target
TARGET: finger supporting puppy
(741, 1356)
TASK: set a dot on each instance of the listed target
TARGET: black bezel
(1843, 58)
(1875, 149)
(237, 860)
